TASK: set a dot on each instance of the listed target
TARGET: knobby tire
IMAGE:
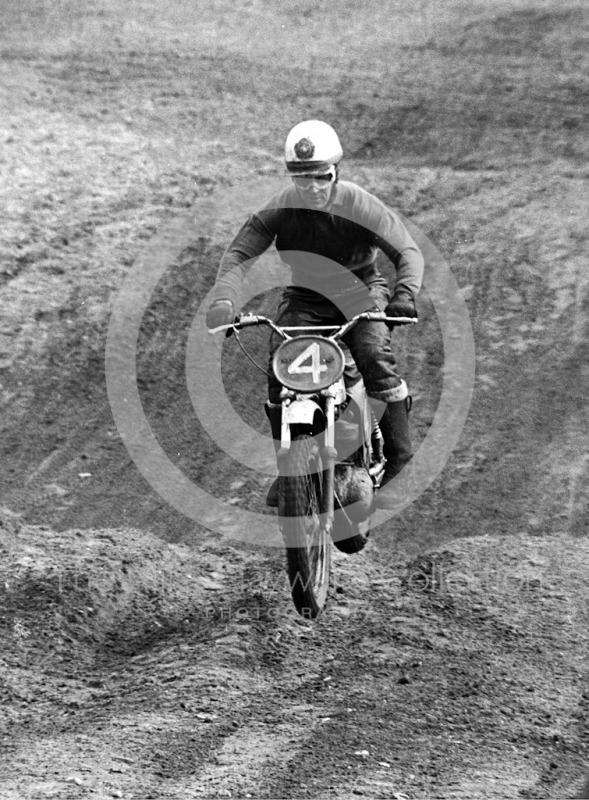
(308, 544)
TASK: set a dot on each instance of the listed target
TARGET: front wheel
(307, 542)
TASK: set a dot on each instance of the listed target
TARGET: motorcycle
(330, 460)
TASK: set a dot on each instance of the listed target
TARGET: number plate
(308, 363)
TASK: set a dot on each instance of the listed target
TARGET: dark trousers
(369, 342)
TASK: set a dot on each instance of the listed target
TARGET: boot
(394, 425)
(274, 414)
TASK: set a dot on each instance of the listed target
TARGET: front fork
(329, 455)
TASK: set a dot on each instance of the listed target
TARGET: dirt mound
(68, 596)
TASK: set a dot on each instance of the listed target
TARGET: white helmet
(311, 148)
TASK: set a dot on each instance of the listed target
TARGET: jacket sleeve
(254, 238)
(391, 236)
(397, 244)
(407, 260)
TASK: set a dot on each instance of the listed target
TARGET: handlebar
(248, 320)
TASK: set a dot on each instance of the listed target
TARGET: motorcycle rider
(328, 231)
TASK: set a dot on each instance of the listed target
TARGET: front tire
(307, 542)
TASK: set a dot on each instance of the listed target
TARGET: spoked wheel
(307, 542)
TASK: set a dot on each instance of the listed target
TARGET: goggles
(305, 181)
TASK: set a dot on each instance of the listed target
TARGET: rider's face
(315, 191)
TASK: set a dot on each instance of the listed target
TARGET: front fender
(301, 412)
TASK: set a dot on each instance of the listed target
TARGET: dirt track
(145, 670)
(141, 655)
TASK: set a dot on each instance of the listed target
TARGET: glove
(221, 312)
(402, 305)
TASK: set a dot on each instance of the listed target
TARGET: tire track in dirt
(578, 423)
(569, 280)
(521, 460)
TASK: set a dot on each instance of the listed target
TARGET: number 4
(313, 351)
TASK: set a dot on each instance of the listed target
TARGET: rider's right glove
(221, 312)
(402, 305)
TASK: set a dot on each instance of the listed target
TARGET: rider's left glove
(221, 312)
(402, 305)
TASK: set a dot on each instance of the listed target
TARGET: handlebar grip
(220, 328)
(382, 316)
(402, 320)
(241, 322)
